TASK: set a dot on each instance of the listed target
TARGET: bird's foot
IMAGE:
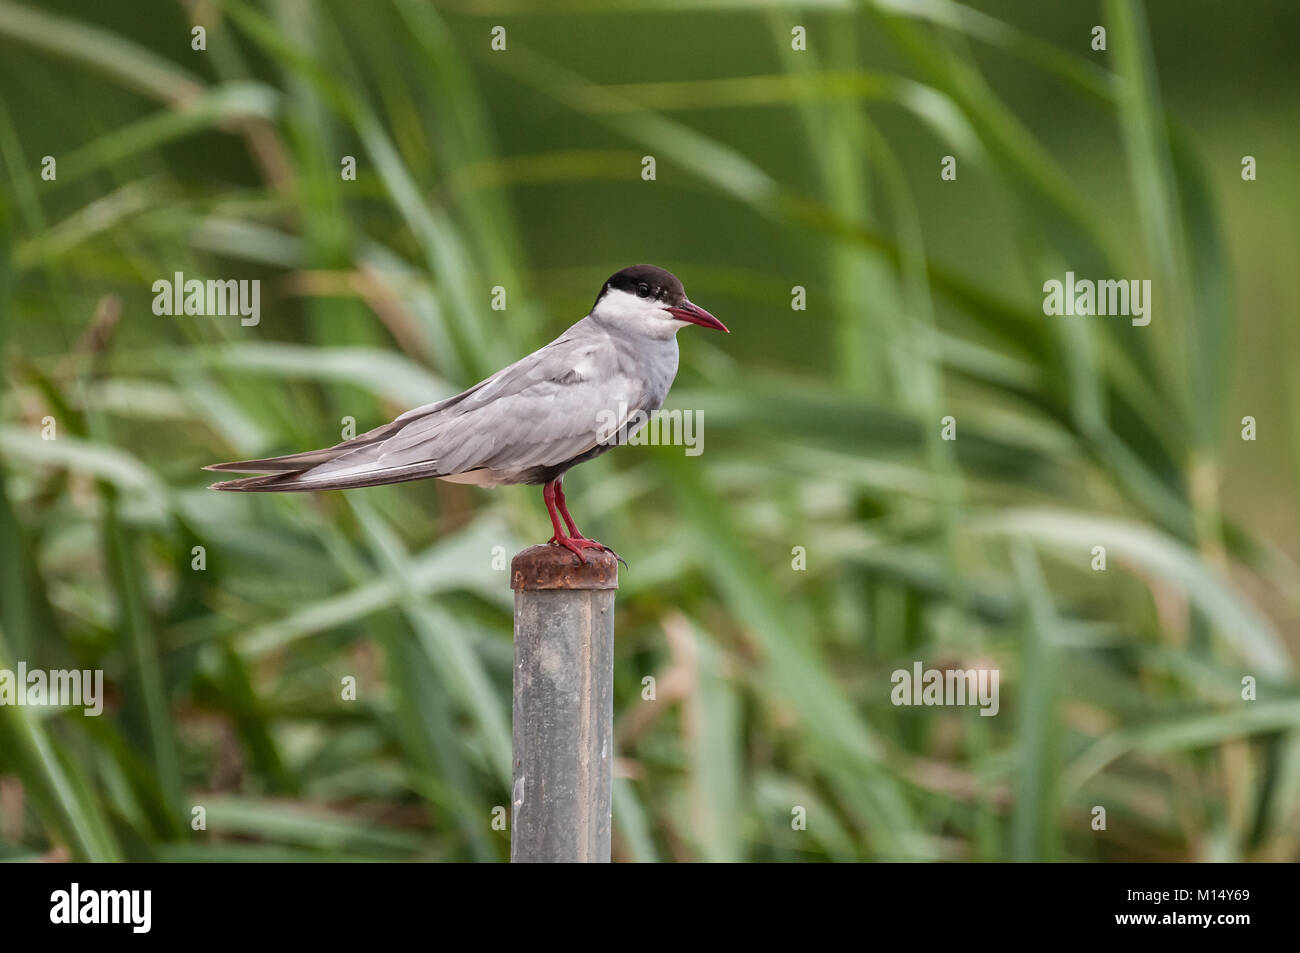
(576, 544)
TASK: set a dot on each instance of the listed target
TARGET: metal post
(563, 734)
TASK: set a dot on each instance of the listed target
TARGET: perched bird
(572, 400)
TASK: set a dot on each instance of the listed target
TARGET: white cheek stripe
(646, 315)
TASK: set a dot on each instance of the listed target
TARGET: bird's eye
(643, 291)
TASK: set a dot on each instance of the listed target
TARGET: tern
(527, 423)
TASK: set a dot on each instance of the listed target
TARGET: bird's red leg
(548, 494)
(574, 542)
(574, 532)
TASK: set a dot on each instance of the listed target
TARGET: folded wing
(554, 405)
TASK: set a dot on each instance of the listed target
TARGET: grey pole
(563, 734)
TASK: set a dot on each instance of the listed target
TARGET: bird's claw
(576, 544)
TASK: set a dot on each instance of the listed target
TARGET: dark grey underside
(539, 475)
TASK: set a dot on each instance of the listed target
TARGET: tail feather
(298, 462)
(299, 481)
(353, 463)
(289, 462)
(258, 483)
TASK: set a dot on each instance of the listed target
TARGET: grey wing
(550, 411)
(556, 404)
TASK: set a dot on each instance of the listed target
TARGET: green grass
(1120, 689)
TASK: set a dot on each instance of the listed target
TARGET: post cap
(549, 566)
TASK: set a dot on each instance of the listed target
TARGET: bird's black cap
(647, 281)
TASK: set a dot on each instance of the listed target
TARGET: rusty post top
(553, 567)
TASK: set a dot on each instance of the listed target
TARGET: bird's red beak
(697, 315)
